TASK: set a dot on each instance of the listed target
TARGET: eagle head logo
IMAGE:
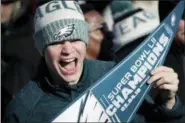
(64, 32)
(173, 19)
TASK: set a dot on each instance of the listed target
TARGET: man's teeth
(68, 60)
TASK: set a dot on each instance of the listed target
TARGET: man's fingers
(161, 69)
(167, 77)
(169, 87)
(162, 82)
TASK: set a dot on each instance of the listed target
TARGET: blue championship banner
(117, 95)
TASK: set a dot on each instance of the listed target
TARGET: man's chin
(70, 79)
(71, 82)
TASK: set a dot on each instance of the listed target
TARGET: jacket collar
(46, 83)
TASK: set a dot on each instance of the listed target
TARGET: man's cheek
(97, 35)
(181, 36)
(181, 25)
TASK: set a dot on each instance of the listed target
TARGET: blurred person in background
(180, 33)
(176, 55)
(100, 38)
(180, 41)
(19, 57)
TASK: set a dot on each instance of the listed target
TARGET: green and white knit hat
(57, 21)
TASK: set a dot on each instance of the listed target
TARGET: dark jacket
(19, 57)
(41, 101)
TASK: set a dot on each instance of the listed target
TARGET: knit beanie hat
(120, 8)
(57, 21)
(130, 23)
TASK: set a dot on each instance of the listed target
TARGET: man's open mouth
(69, 66)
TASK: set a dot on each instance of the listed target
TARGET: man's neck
(57, 80)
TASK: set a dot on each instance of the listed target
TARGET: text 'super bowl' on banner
(117, 95)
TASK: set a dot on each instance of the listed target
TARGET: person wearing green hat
(61, 36)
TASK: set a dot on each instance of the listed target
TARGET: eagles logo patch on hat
(64, 32)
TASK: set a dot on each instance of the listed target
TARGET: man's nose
(66, 48)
